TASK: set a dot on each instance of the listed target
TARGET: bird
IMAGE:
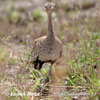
(46, 49)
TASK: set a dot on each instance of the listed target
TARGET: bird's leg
(48, 78)
(40, 65)
(35, 65)
(50, 72)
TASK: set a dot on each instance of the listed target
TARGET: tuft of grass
(36, 74)
(4, 54)
(14, 17)
(37, 15)
(84, 70)
(39, 77)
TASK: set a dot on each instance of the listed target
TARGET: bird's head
(49, 7)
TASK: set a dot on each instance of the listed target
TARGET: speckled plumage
(47, 48)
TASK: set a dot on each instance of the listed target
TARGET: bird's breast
(49, 53)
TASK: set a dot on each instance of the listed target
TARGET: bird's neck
(50, 27)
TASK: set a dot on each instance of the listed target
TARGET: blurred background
(76, 23)
(27, 19)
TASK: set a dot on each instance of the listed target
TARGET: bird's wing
(34, 52)
(36, 47)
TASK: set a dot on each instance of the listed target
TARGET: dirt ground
(22, 21)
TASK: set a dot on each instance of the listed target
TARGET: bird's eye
(46, 5)
(52, 7)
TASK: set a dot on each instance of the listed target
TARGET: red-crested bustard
(46, 48)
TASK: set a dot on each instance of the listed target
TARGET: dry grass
(78, 71)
